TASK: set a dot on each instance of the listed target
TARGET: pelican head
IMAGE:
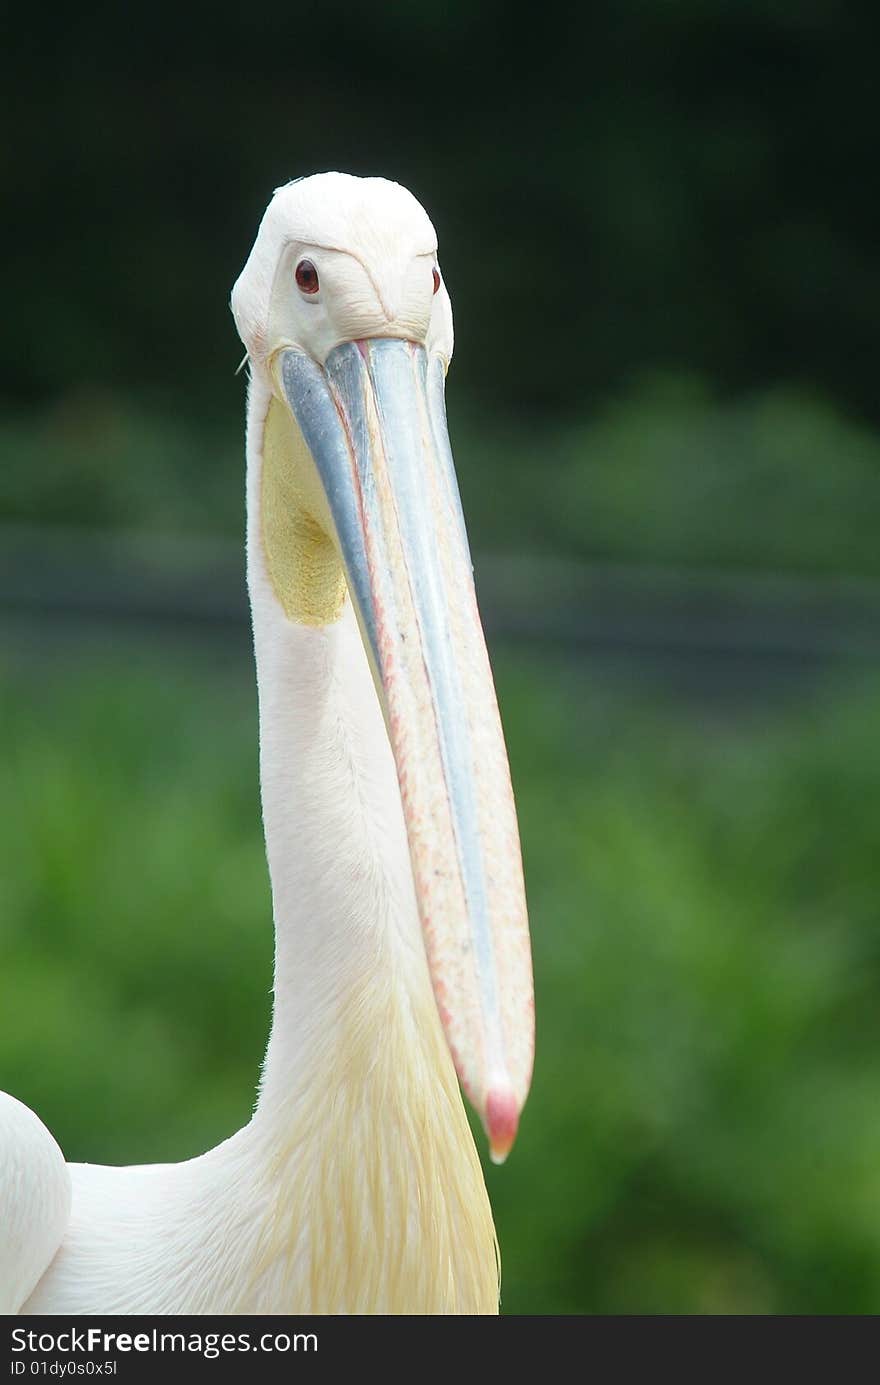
(344, 312)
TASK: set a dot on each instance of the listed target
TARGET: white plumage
(356, 1186)
(34, 1201)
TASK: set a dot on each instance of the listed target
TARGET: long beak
(374, 421)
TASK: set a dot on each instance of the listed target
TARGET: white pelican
(390, 831)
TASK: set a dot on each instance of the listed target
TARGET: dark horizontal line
(198, 584)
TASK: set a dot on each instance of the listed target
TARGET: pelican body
(402, 959)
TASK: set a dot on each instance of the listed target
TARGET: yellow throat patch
(304, 567)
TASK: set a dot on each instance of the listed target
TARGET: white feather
(34, 1201)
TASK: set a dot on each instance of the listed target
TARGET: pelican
(402, 951)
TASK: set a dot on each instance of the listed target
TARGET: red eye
(307, 277)
(436, 273)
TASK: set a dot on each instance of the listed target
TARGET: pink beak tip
(502, 1119)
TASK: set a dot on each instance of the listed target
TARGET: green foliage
(98, 460)
(704, 1130)
(135, 908)
(670, 473)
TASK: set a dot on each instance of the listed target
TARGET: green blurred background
(659, 225)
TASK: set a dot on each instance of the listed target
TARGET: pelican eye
(436, 273)
(307, 277)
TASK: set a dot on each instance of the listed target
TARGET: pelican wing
(34, 1202)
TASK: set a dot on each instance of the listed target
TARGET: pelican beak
(375, 423)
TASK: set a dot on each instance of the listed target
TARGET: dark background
(659, 226)
(630, 185)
